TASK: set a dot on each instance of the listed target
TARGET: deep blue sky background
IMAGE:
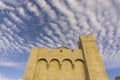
(52, 23)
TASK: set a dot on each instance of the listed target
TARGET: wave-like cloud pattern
(52, 23)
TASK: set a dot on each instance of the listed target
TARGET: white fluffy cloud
(15, 17)
(3, 77)
(43, 4)
(33, 8)
(12, 64)
(4, 6)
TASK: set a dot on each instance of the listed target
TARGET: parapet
(61, 49)
(60, 53)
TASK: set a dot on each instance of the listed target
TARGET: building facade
(66, 64)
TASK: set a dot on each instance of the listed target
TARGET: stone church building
(66, 64)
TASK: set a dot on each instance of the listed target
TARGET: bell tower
(93, 62)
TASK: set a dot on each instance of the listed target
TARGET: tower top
(86, 38)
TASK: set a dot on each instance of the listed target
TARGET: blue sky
(53, 23)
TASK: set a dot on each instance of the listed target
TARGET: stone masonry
(66, 64)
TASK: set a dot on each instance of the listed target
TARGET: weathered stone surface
(66, 64)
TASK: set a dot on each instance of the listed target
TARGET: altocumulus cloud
(2, 77)
(52, 23)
